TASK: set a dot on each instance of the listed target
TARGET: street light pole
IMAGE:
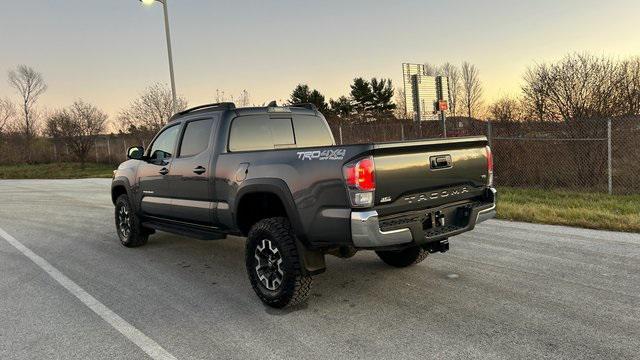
(169, 53)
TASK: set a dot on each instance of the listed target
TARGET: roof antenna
(272, 104)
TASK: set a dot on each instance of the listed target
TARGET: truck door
(190, 182)
(153, 175)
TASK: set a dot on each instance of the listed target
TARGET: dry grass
(587, 210)
(56, 171)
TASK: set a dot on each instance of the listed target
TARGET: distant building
(423, 93)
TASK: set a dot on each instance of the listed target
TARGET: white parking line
(152, 348)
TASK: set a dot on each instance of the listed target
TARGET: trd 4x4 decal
(327, 154)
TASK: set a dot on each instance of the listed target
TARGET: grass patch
(56, 171)
(587, 210)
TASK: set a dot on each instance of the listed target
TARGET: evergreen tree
(361, 94)
(317, 99)
(382, 94)
(342, 106)
(301, 94)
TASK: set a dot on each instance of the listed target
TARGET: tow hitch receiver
(437, 246)
(433, 220)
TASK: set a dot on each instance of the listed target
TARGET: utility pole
(169, 53)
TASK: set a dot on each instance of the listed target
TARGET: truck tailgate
(420, 174)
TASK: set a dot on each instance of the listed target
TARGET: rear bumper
(367, 231)
(486, 214)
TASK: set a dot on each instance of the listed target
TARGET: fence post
(402, 131)
(95, 144)
(609, 158)
(55, 153)
(489, 132)
(444, 124)
(340, 132)
(109, 148)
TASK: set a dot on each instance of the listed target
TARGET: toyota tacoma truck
(275, 175)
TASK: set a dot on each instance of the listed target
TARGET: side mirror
(135, 152)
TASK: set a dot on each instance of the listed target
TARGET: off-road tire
(403, 258)
(295, 285)
(136, 235)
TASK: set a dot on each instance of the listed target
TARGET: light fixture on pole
(168, 33)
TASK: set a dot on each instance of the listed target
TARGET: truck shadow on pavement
(360, 281)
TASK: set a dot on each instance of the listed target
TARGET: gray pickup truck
(276, 176)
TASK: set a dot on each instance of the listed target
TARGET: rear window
(311, 131)
(259, 132)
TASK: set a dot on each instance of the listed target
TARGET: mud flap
(313, 261)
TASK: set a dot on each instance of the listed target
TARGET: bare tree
(452, 73)
(220, 96)
(400, 111)
(7, 114)
(577, 87)
(431, 70)
(506, 109)
(150, 111)
(78, 126)
(629, 89)
(30, 85)
(243, 99)
(535, 96)
(471, 89)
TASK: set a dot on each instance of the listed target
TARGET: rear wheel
(130, 232)
(273, 264)
(403, 258)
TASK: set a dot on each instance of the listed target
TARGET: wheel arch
(120, 187)
(265, 189)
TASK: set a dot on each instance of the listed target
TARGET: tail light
(361, 181)
(489, 166)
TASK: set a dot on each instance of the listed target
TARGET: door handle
(164, 171)
(199, 170)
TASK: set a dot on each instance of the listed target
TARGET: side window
(311, 131)
(259, 132)
(162, 147)
(196, 137)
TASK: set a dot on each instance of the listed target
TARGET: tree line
(577, 86)
(367, 99)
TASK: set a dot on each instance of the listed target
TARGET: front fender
(123, 182)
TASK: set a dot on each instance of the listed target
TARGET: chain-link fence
(106, 149)
(599, 155)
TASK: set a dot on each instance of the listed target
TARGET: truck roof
(272, 108)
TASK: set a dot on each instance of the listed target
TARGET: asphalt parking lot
(506, 290)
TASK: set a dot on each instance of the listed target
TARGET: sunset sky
(107, 51)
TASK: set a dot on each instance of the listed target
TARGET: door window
(196, 137)
(164, 144)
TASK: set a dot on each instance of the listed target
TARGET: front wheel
(274, 265)
(403, 258)
(130, 231)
